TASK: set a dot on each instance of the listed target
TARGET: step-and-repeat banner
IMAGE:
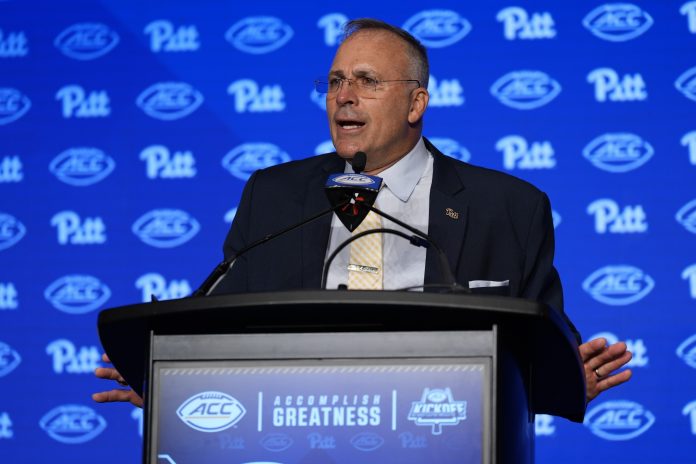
(128, 129)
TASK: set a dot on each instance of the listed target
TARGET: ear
(419, 102)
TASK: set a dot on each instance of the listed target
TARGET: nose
(345, 93)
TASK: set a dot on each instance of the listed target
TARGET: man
(496, 230)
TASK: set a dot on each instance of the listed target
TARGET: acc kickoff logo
(82, 166)
(11, 231)
(168, 101)
(9, 359)
(686, 84)
(438, 28)
(211, 411)
(617, 22)
(72, 424)
(525, 90)
(86, 41)
(619, 420)
(242, 161)
(618, 152)
(13, 105)
(687, 351)
(259, 34)
(166, 228)
(77, 294)
(686, 216)
(452, 148)
(437, 408)
(618, 285)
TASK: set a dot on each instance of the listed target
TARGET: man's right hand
(117, 394)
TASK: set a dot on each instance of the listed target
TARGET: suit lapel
(448, 215)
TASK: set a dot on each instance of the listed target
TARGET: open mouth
(350, 124)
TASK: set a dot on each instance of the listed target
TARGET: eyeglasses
(362, 85)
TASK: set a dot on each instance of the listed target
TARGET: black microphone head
(359, 161)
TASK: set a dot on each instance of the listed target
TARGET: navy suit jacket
(499, 228)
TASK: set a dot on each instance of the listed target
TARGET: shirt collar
(402, 177)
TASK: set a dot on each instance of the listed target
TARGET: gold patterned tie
(365, 265)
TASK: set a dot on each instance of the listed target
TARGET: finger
(112, 396)
(108, 373)
(614, 380)
(615, 364)
(589, 350)
(612, 353)
(105, 358)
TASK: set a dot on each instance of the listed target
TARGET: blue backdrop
(128, 129)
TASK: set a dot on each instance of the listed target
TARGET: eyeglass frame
(359, 82)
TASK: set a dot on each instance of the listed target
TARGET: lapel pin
(452, 213)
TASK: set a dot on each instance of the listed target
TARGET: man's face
(376, 122)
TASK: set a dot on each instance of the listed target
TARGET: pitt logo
(686, 84)
(451, 148)
(412, 441)
(166, 228)
(689, 141)
(73, 230)
(437, 408)
(72, 423)
(617, 22)
(610, 218)
(636, 347)
(619, 420)
(318, 99)
(517, 153)
(77, 294)
(689, 411)
(9, 359)
(77, 103)
(86, 41)
(319, 441)
(229, 215)
(11, 170)
(517, 24)
(242, 161)
(259, 34)
(68, 359)
(249, 97)
(448, 92)
(543, 425)
(525, 90)
(689, 10)
(82, 166)
(438, 28)
(686, 351)
(688, 274)
(152, 284)
(5, 426)
(618, 152)
(332, 24)
(13, 105)
(608, 86)
(164, 37)
(211, 411)
(11, 231)
(686, 216)
(618, 285)
(168, 101)
(8, 296)
(13, 45)
(161, 164)
(556, 218)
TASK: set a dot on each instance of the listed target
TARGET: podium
(345, 376)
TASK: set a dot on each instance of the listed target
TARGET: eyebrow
(358, 73)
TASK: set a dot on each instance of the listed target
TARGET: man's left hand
(600, 361)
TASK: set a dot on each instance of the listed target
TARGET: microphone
(359, 161)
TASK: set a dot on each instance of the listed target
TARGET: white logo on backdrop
(690, 411)
(619, 420)
(318, 99)
(525, 90)
(9, 359)
(518, 24)
(324, 147)
(689, 10)
(80, 104)
(609, 87)
(8, 296)
(556, 218)
(168, 101)
(160, 163)
(543, 425)
(686, 216)
(617, 22)
(452, 148)
(165, 37)
(618, 285)
(86, 41)
(243, 160)
(13, 44)
(82, 166)
(519, 154)
(687, 351)
(689, 274)
(686, 83)
(11, 170)
(77, 294)
(332, 24)
(137, 415)
(153, 284)
(73, 230)
(611, 218)
(11, 231)
(635, 346)
(165, 228)
(229, 215)
(6, 431)
(259, 34)
(72, 423)
(618, 152)
(438, 28)
(445, 92)
(689, 141)
(249, 96)
(68, 359)
(13, 105)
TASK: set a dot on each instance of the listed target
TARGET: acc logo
(211, 411)
(242, 161)
(447, 92)
(169, 100)
(72, 424)
(319, 99)
(438, 28)
(617, 22)
(77, 294)
(517, 153)
(86, 41)
(451, 148)
(164, 38)
(366, 441)
(687, 351)
(153, 284)
(259, 34)
(354, 179)
(82, 166)
(13, 105)
(166, 228)
(686, 216)
(686, 84)
(619, 420)
(618, 152)
(618, 285)
(525, 90)
(276, 442)
(9, 359)
(11, 231)
(437, 408)
(332, 24)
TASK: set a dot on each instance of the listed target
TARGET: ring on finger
(596, 372)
